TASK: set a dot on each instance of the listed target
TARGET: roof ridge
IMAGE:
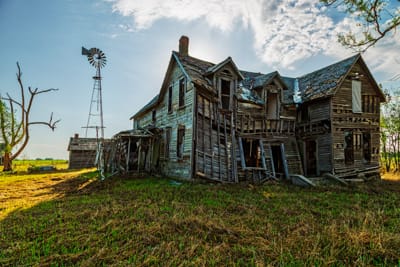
(180, 56)
(330, 65)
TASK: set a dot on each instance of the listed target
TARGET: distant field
(71, 218)
(23, 165)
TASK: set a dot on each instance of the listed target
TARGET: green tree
(377, 18)
(14, 130)
(390, 132)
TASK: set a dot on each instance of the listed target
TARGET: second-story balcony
(259, 123)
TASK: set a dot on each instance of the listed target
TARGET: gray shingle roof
(324, 82)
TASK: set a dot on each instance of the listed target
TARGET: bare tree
(374, 16)
(15, 131)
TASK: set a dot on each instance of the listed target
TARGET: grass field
(71, 218)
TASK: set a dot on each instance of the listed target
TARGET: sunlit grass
(391, 176)
(23, 190)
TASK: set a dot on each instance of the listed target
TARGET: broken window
(225, 94)
(366, 139)
(348, 147)
(181, 92)
(272, 106)
(356, 96)
(168, 132)
(251, 152)
(180, 142)
(169, 99)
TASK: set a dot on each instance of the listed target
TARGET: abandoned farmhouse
(218, 122)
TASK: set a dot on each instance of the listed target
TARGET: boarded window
(370, 104)
(357, 141)
(356, 96)
(225, 94)
(366, 136)
(181, 92)
(168, 131)
(170, 99)
(348, 148)
(180, 142)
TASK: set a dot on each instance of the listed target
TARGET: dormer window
(225, 94)
(273, 105)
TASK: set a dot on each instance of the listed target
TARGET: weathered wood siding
(182, 116)
(343, 119)
(213, 144)
(79, 159)
(314, 124)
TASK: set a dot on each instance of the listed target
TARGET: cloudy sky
(292, 36)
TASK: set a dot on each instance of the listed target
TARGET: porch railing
(254, 123)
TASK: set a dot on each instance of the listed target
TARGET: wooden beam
(226, 149)
(128, 155)
(211, 142)
(284, 161)
(242, 160)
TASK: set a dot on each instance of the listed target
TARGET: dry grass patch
(147, 222)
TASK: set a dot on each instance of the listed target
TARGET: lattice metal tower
(97, 59)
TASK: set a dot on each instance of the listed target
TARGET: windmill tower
(97, 59)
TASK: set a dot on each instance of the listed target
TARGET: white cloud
(284, 31)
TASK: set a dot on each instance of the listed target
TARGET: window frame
(180, 141)
(169, 104)
(356, 96)
(168, 136)
(182, 90)
(223, 95)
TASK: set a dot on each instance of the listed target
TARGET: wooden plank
(242, 160)
(226, 146)
(219, 140)
(285, 165)
(233, 152)
(272, 160)
(264, 164)
(211, 142)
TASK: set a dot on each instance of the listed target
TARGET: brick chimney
(184, 45)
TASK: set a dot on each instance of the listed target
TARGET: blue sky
(45, 37)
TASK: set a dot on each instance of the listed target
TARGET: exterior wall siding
(343, 119)
(170, 164)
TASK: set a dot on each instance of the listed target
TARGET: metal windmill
(97, 59)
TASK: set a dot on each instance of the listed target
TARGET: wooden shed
(83, 151)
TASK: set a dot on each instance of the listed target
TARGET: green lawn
(72, 218)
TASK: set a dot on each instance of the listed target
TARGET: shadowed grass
(146, 222)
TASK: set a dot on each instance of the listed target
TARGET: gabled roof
(260, 80)
(254, 80)
(228, 60)
(194, 69)
(324, 82)
(148, 106)
(82, 144)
